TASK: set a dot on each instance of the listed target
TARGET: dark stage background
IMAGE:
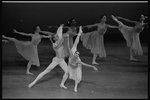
(25, 16)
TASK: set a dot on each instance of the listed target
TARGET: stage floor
(117, 76)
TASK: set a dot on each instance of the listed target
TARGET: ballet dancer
(57, 42)
(131, 34)
(28, 49)
(75, 63)
(72, 31)
(94, 40)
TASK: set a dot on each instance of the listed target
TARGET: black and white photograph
(74, 49)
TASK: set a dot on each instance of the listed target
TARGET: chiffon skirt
(28, 51)
(94, 41)
(65, 44)
(132, 38)
(75, 73)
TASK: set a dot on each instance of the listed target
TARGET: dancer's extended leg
(47, 70)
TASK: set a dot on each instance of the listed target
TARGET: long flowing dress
(75, 70)
(65, 43)
(28, 49)
(94, 41)
(131, 35)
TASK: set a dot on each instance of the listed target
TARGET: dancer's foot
(62, 86)
(132, 59)
(113, 17)
(75, 89)
(28, 73)
(95, 63)
(31, 84)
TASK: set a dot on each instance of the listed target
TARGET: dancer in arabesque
(28, 49)
(131, 34)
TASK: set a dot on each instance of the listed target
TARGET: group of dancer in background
(64, 47)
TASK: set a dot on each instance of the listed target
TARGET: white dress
(131, 35)
(28, 49)
(95, 41)
(75, 70)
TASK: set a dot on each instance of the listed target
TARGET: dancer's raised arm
(74, 48)
(22, 33)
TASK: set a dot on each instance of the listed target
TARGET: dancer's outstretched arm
(43, 36)
(87, 65)
(58, 26)
(46, 32)
(52, 26)
(89, 26)
(111, 26)
(22, 33)
(126, 19)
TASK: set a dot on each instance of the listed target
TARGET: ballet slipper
(95, 63)
(75, 90)
(62, 86)
(28, 73)
(132, 59)
(30, 85)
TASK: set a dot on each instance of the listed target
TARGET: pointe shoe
(132, 59)
(28, 73)
(75, 90)
(30, 85)
(62, 86)
(95, 63)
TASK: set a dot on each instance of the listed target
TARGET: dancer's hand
(118, 17)
(15, 31)
(80, 30)
(5, 41)
(112, 16)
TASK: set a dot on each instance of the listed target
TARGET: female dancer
(58, 60)
(75, 63)
(131, 34)
(28, 49)
(94, 40)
